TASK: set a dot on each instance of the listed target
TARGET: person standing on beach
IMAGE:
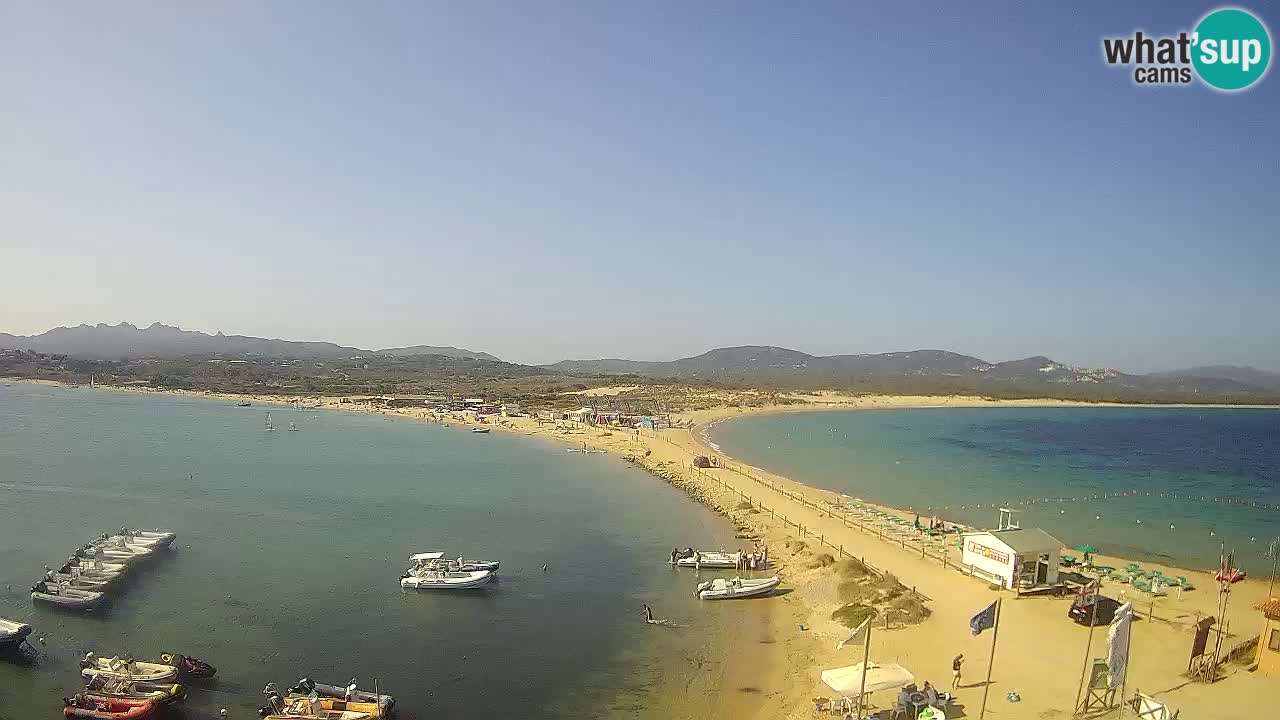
(648, 614)
(955, 670)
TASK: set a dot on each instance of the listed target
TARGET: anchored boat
(13, 633)
(722, 589)
(65, 596)
(709, 559)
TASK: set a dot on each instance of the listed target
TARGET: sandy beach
(776, 671)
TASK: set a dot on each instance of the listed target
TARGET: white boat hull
(448, 581)
(13, 633)
(710, 560)
(721, 589)
(138, 671)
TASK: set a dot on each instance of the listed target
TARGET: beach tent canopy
(880, 676)
(435, 555)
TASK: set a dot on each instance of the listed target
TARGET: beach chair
(1067, 560)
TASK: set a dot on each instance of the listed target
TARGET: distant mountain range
(925, 371)
(918, 371)
(123, 341)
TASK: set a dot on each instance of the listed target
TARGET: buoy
(1097, 517)
(1170, 526)
(1062, 512)
(223, 712)
(42, 640)
(1139, 521)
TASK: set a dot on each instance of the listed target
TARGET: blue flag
(984, 620)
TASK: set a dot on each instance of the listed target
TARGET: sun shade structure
(1086, 548)
(848, 680)
(436, 555)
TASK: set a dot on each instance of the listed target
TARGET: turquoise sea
(1171, 484)
(291, 545)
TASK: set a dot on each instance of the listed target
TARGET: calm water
(291, 545)
(1180, 466)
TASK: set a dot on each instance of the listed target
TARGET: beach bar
(1014, 558)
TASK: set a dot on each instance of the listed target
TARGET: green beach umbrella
(1086, 548)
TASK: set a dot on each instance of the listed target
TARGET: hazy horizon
(693, 353)
(581, 181)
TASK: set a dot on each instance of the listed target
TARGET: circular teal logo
(1232, 49)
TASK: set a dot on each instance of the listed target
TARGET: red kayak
(102, 708)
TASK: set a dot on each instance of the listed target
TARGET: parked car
(1082, 610)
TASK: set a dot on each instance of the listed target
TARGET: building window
(1273, 642)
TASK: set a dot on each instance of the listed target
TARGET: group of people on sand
(757, 559)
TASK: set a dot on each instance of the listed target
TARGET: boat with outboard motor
(13, 633)
(731, 589)
(439, 579)
(114, 688)
(126, 668)
(65, 596)
(78, 581)
(435, 558)
(707, 559)
(98, 708)
(306, 686)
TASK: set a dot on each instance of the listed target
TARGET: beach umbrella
(1086, 548)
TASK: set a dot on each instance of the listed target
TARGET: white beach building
(1022, 558)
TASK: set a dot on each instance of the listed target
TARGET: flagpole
(866, 660)
(995, 633)
(1088, 645)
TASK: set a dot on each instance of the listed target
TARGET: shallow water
(1211, 474)
(291, 545)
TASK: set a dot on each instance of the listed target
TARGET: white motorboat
(65, 596)
(480, 430)
(77, 581)
(165, 537)
(13, 633)
(435, 560)
(128, 669)
(117, 548)
(710, 559)
(722, 589)
(432, 579)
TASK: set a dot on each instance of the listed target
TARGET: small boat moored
(708, 559)
(435, 579)
(99, 708)
(13, 633)
(307, 686)
(731, 589)
(118, 668)
(65, 596)
(113, 688)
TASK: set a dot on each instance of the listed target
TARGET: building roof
(1027, 540)
(1270, 608)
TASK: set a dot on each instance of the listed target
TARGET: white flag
(1118, 644)
(857, 635)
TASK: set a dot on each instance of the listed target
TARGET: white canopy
(848, 680)
(435, 555)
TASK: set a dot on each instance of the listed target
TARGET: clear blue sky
(648, 180)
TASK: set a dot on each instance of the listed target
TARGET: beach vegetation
(853, 614)
(821, 561)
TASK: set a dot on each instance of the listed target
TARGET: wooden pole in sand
(1088, 645)
(995, 633)
(866, 660)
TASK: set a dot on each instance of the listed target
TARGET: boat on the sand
(65, 596)
(710, 559)
(734, 588)
(98, 708)
(13, 633)
(307, 686)
(118, 668)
